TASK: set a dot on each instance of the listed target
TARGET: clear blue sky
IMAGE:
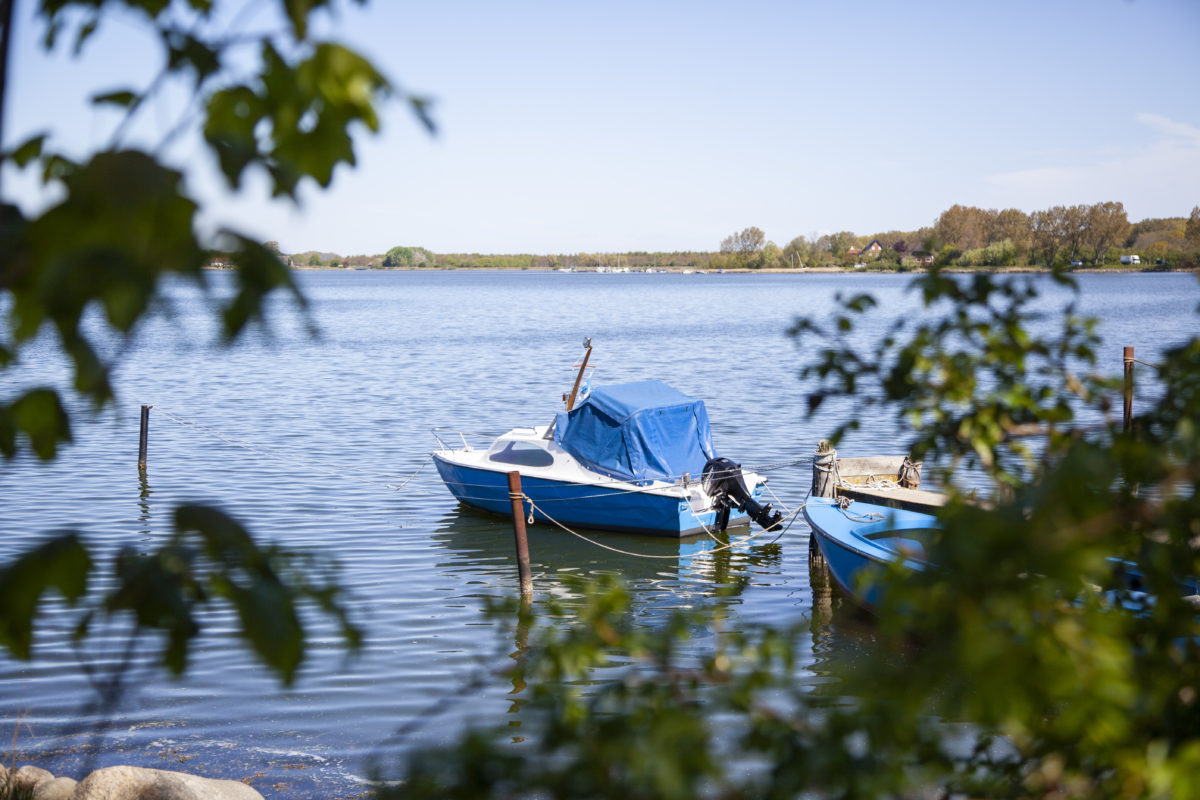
(616, 126)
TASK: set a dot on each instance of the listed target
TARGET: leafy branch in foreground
(1051, 650)
(89, 267)
(124, 220)
(969, 375)
(209, 561)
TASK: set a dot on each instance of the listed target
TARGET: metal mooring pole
(1128, 389)
(142, 439)
(518, 513)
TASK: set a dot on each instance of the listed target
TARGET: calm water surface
(299, 438)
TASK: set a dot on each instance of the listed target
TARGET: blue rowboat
(858, 540)
(635, 457)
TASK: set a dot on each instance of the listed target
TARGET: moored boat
(859, 540)
(635, 457)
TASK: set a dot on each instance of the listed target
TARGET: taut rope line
(291, 459)
(730, 545)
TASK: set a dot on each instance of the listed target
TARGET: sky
(568, 127)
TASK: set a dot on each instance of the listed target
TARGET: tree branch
(6, 18)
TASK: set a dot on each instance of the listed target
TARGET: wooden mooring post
(518, 513)
(1128, 389)
(143, 437)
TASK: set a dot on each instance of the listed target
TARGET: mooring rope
(534, 506)
(327, 469)
(843, 504)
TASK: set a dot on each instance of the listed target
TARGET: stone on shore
(27, 778)
(57, 789)
(117, 783)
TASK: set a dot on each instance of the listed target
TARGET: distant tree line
(967, 236)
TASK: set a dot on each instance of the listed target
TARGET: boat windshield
(522, 454)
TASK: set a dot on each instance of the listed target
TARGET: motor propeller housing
(723, 482)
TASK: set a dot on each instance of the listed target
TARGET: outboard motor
(723, 482)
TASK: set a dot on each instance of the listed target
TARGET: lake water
(300, 438)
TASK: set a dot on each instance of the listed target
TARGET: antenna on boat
(587, 347)
(570, 399)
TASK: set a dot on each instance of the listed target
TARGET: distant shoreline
(1121, 270)
(1118, 270)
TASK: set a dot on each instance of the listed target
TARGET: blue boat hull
(859, 542)
(581, 505)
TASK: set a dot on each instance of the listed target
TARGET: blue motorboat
(635, 457)
(858, 540)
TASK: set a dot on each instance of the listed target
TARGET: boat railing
(482, 441)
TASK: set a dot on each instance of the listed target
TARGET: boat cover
(638, 432)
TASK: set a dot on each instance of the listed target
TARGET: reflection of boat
(482, 544)
(635, 457)
(858, 540)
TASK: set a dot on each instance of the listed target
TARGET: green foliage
(1024, 663)
(210, 559)
(121, 223)
(968, 379)
(407, 257)
(62, 563)
(646, 735)
(124, 219)
(998, 254)
(38, 415)
(294, 120)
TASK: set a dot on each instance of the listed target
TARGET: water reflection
(144, 492)
(483, 543)
(842, 631)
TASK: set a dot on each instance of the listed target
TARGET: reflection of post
(722, 560)
(1128, 389)
(142, 438)
(144, 504)
(518, 513)
(520, 645)
(822, 586)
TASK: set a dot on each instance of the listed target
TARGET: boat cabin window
(523, 454)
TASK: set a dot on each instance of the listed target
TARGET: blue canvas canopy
(638, 432)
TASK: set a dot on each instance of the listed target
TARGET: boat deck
(896, 497)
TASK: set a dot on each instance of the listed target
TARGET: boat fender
(909, 476)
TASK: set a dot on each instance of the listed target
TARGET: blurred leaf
(422, 106)
(29, 150)
(186, 52)
(233, 115)
(259, 272)
(62, 563)
(123, 223)
(310, 108)
(266, 586)
(298, 12)
(37, 415)
(160, 590)
(123, 99)
(85, 32)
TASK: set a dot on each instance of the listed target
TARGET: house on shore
(870, 251)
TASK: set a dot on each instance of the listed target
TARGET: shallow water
(300, 439)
